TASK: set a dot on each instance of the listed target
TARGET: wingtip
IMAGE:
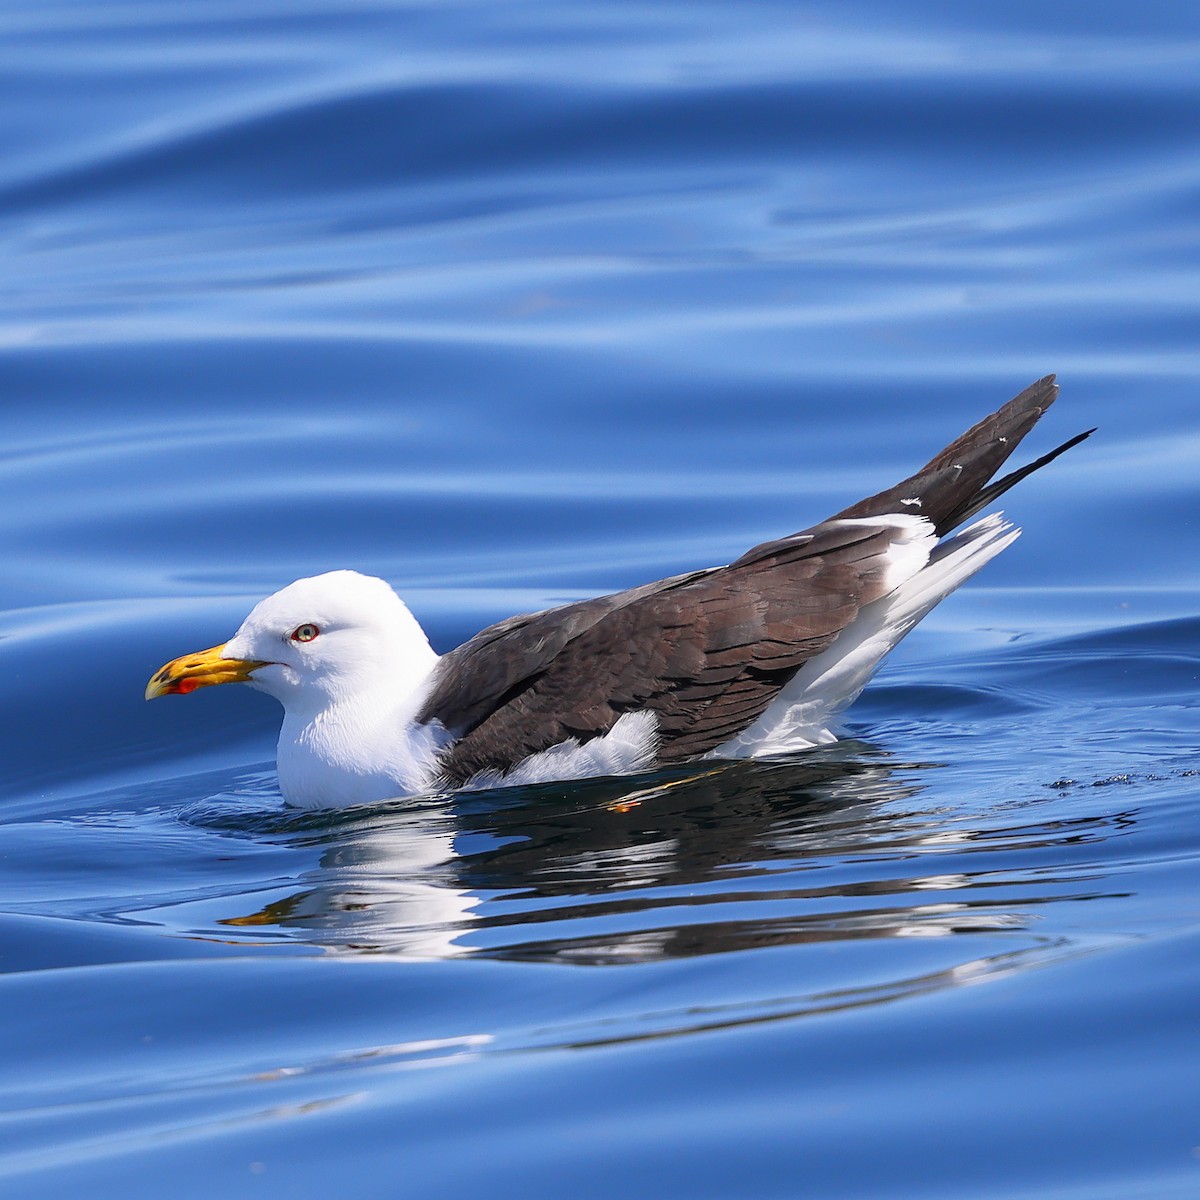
(1079, 437)
(1043, 391)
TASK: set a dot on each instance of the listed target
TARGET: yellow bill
(202, 669)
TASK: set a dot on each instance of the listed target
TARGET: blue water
(514, 303)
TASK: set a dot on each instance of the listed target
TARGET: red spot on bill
(184, 686)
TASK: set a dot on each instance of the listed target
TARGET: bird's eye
(304, 633)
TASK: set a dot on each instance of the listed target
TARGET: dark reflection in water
(829, 848)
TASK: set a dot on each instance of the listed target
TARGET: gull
(757, 658)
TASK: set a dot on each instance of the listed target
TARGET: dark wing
(488, 671)
(707, 653)
(954, 485)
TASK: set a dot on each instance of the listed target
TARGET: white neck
(357, 749)
(350, 691)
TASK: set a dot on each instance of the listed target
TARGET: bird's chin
(276, 680)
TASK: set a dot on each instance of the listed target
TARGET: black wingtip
(1053, 454)
(953, 485)
(994, 490)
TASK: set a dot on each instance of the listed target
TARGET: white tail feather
(804, 713)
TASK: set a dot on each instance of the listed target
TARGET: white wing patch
(628, 747)
(804, 714)
(910, 551)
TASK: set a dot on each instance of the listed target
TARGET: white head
(313, 643)
(337, 634)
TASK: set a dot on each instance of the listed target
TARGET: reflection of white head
(390, 887)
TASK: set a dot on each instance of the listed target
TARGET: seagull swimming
(756, 658)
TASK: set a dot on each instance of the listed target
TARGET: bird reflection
(830, 846)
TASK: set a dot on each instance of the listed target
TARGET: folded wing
(707, 652)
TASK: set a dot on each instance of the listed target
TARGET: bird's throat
(355, 751)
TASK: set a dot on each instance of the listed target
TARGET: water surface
(517, 303)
